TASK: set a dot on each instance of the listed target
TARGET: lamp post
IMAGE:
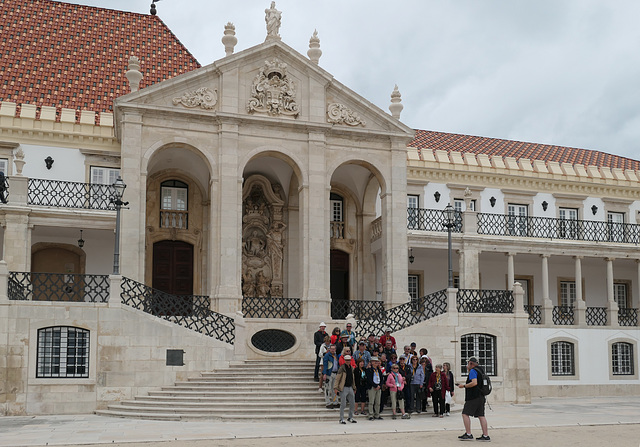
(118, 191)
(449, 223)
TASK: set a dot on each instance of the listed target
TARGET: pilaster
(580, 308)
(522, 363)
(469, 268)
(17, 247)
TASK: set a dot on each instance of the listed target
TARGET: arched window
(563, 361)
(622, 359)
(63, 351)
(174, 204)
(481, 346)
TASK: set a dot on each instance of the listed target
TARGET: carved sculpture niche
(263, 238)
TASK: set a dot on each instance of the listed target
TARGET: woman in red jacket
(438, 386)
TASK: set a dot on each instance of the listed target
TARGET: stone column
(4, 282)
(394, 224)
(580, 307)
(115, 290)
(17, 248)
(315, 222)
(510, 271)
(612, 306)
(522, 364)
(547, 305)
(469, 273)
(240, 342)
(228, 293)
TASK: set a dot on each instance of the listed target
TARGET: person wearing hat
(345, 387)
(387, 336)
(318, 339)
(473, 403)
(374, 385)
(372, 345)
(343, 342)
(362, 353)
(351, 336)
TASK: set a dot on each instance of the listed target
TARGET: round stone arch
(347, 160)
(280, 153)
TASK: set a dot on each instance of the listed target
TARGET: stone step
(248, 417)
(231, 409)
(250, 379)
(233, 394)
(244, 388)
(293, 397)
(259, 373)
(237, 405)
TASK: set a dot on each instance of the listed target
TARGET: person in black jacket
(374, 387)
(318, 339)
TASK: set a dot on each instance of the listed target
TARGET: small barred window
(563, 361)
(622, 359)
(63, 351)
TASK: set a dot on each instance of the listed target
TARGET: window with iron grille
(622, 359)
(63, 351)
(414, 286)
(563, 361)
(481, 346)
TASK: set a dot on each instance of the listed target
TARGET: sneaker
(448, 413)
(342, 421)
(393, 417)
(465, 437)
(320, 390)
(356, 413)
(418, 412)
(353, 421)
(483, 438)
(371, 418)
(406, 416)
(379, 418)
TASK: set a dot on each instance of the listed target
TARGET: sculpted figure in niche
(264, 284)
(248, 285)
(275, 247)
(254, 245)
(273, 18)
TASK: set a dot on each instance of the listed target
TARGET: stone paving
(92, 429)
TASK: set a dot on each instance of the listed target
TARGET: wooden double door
(173, 267)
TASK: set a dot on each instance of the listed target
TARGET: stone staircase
(251, 390)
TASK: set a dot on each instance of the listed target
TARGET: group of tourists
(367, 374)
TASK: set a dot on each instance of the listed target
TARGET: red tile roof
(74, 56)
(426, 139)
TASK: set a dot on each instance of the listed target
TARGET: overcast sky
(562, 72)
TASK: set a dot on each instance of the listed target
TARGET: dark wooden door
(173, 267)
(339, 275)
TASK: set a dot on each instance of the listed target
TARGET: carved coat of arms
(273, 92)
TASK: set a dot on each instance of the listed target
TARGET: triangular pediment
(271, 82)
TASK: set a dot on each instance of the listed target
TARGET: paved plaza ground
(562, 422)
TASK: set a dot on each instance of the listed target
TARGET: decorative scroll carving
(263, 239)
(341, 114)
(272, 91)
(203, 97)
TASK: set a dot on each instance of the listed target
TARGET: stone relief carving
(341, 114)
(273, 92)
(263, 239)
(203, 97)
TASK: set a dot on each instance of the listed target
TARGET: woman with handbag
(448, 395)
(395, 383)
(438, 385)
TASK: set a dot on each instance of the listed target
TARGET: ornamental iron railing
(69, 194)
(562, 315)
(361, 310)
(190, 311)
(553, 228)
(628, 317)
(269, 307)
(535, 313)
(596, 316)
(485, 301)
(407, 314)
(30, 286)
(432, 220)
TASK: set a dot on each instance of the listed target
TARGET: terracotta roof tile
(64, 55)
(426, 139)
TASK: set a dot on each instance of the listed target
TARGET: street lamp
(118, 191)
(449, 223)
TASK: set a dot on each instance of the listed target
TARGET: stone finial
(134, 76)
(18, 160)
(273, 18)
(395, 107)
(314, 52)
(229, 40)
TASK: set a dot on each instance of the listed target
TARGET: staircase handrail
(189, 311)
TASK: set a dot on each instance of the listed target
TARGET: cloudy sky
(562, 72)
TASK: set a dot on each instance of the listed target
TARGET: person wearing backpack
(474, 401)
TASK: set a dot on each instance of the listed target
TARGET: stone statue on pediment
(273, 18)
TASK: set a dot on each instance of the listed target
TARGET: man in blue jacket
(473, 403)
(329, 370)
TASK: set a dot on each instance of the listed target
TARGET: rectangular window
(622, 359)
(4, 166)
(620, 295)
(63, 352)
(615, 227)
(562, 359)
(174, 199)
(414, 286)
(458, 205)
(568, 223)
(336, 211)
(413, 202)
(104, 176)
(481, 346)
(567, 293)
(517, 221)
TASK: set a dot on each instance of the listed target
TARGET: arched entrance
(173, 267)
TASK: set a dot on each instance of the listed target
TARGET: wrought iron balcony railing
(628, 317)
(268, 307)
(552, 228)
(596, 316)
(432, 220)
(61, 194)
(485, 301)
(27, 286)
(361, 310)
(535, 313)
(562, 315)
(190, 311)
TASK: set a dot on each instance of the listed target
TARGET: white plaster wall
(430, 201)
(485, 197)
(592, 353)
(68, 163)
(537, 206)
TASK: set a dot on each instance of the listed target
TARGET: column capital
(545, 255)
(510, 253)
(577, 257)
(609, 259)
